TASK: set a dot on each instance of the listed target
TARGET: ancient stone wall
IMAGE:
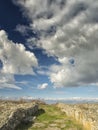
(86, 114)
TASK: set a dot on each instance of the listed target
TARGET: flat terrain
(51, 119)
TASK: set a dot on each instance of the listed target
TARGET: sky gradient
(49, 48)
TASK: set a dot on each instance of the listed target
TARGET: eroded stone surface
(12, 114)
(53, 125)
(38, 125)
(87, 114)
(52, 128)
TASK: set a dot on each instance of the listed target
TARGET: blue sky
(48, 49)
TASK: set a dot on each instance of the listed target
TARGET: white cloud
(42, 86)
(8, 81)
(22, 29)
(73, 99)
(9, 86)
(6, 78)
(75, 36)
(15, 58)
(43, 70)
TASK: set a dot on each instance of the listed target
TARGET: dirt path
(51, 119)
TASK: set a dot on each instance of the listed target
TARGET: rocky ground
(13, 112)
(51, 119)
(86, 114)
(34, 115)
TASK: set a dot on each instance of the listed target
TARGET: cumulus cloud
(42, 86)
(75, 37)
(14, 59)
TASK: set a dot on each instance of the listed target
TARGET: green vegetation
(50, 118)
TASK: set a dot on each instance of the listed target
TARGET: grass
(51, 116)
